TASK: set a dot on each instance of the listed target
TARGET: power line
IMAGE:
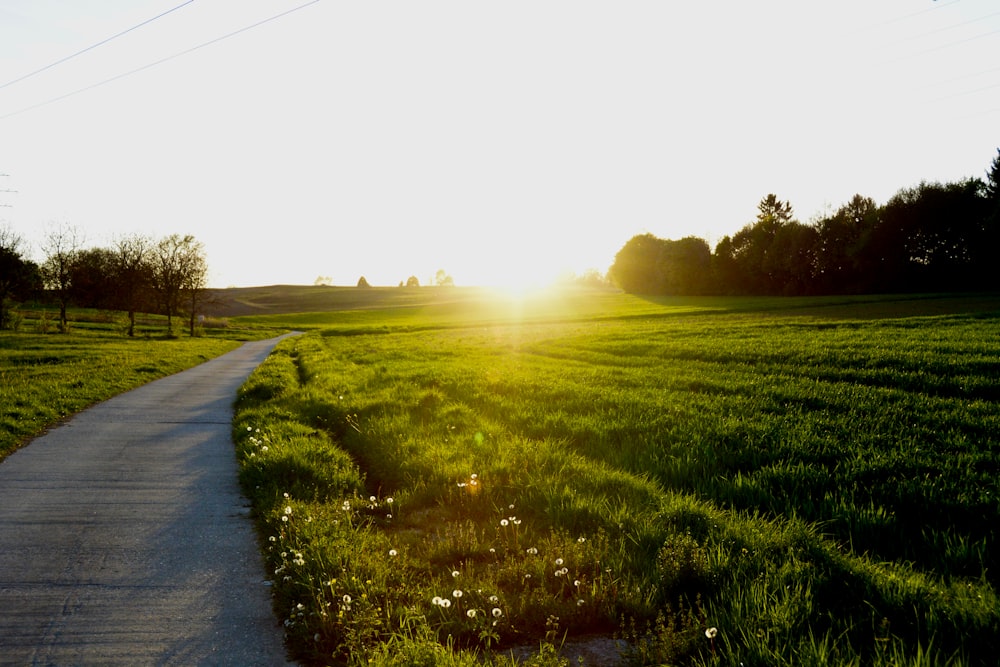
(159, 62)
(94, 46)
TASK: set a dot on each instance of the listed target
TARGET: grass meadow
(706, 481)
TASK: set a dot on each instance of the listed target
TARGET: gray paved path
(125, 540)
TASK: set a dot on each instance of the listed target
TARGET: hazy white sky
(494, 140)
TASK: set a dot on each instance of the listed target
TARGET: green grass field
(815, 479)
(442, 475)
(46, 376)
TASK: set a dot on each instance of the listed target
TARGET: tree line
(134, 274)
(932, 237)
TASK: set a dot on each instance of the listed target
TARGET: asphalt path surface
(125, 539)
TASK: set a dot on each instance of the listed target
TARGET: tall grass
(819, 491)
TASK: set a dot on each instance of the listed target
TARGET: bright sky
(500, 141)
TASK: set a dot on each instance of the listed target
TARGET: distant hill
(279, 299)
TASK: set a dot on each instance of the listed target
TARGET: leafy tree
(636, 268)
(839, 265)
(442, 279)
(412, 282)
(363, 282)
(753, 261)
(92, 278)
(61, 244)
(929, 237)
(18, 276)
(685, 266)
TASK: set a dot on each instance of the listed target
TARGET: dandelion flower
(581, 540)
(454, 573)
(497, 613)
(347, 599)
(373, 499)
(457, 593)
(559, 561)
(393, 552)
(711, 632)
(532, 550)
(576, 583)
(445, 602)
(285, 494)
(473, 476)
(494, 599)
(389, 500)
(471, 613)
(580, 603)
(436, 601)
(288, 510)
(503, 522)
(284, 518)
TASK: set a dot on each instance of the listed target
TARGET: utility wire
(160, 61)
(93, 46)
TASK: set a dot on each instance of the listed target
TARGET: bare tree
(195, 282)
(178, 264)
(61, 244)
(132, 273)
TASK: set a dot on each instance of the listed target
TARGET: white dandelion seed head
(581, 540)
(393, 552)
(457, 593)
(445, 602)
(576, 583)
(559, 561)
(373, 499)
(503, 522)
(711, 633)
(497, 613)
(473, 476)
(455, 573)
(580, 603)
(288, 510)
(436, 601)
(389, 500)
(347, 599)
(471, 613)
